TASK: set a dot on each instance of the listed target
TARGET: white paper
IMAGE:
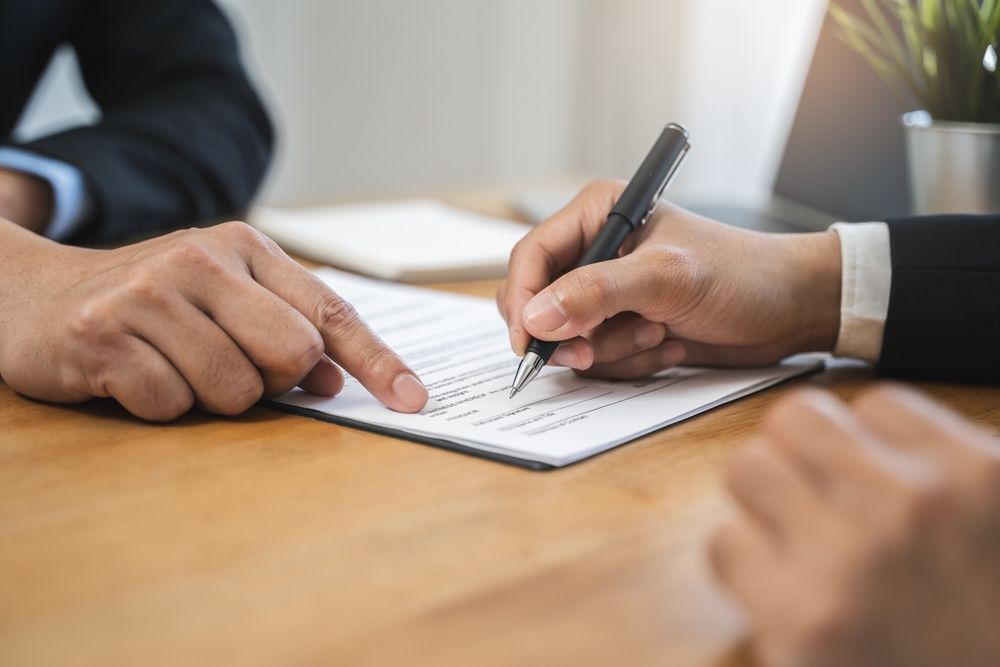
(458, 346)
(408, 241)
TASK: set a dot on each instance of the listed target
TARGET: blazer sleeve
(944, 304)
(183, 137)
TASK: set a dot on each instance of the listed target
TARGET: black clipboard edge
(535, 466)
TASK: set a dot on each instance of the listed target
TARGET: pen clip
(653, 205)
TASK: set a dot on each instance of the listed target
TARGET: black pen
(632, 211)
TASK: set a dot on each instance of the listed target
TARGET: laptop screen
(845, 154)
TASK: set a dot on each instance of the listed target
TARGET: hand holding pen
(685, 289)
(632, 210)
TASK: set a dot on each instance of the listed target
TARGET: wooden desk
(275, 540)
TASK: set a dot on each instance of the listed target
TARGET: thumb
(585, 297)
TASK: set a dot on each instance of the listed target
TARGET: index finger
(347, 338)
(550, 249)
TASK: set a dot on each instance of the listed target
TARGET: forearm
(17, 244)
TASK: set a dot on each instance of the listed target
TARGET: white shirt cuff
(866, 278)
(70, 199)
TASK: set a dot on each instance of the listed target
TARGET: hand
(686, 289)
(25, 200)
(216, 317)
(870, 534)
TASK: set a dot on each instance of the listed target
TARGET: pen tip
(513, 393)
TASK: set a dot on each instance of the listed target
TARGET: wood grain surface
(275, 540)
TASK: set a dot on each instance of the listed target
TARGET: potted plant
(943, 54)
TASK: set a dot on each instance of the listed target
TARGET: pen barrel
(653, 176)
(608, 242)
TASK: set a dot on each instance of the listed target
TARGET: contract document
(459, 347)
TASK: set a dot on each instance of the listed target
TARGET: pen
(632, 210)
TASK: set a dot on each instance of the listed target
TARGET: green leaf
(939, 57)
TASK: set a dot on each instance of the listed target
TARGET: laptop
(844, 160)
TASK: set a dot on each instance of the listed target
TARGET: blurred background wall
(387, 97)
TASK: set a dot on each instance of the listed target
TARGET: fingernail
(567, 356)
(673, 353)
(649, 334)
(545, 313)
(410, 391)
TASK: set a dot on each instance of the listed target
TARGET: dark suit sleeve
(944, 304)
(183, 137)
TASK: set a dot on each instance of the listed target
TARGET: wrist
(816, 271)
(25, 200)
(28, 281)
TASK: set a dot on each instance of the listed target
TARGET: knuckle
(93, 323)
(237, 228)
(245, 234)
(146, 286)
(189, 252)
(301, 356)
(336, 313)
(296, 357)
(243, 395)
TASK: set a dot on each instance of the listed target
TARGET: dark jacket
(944, 306)
(183, 137)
